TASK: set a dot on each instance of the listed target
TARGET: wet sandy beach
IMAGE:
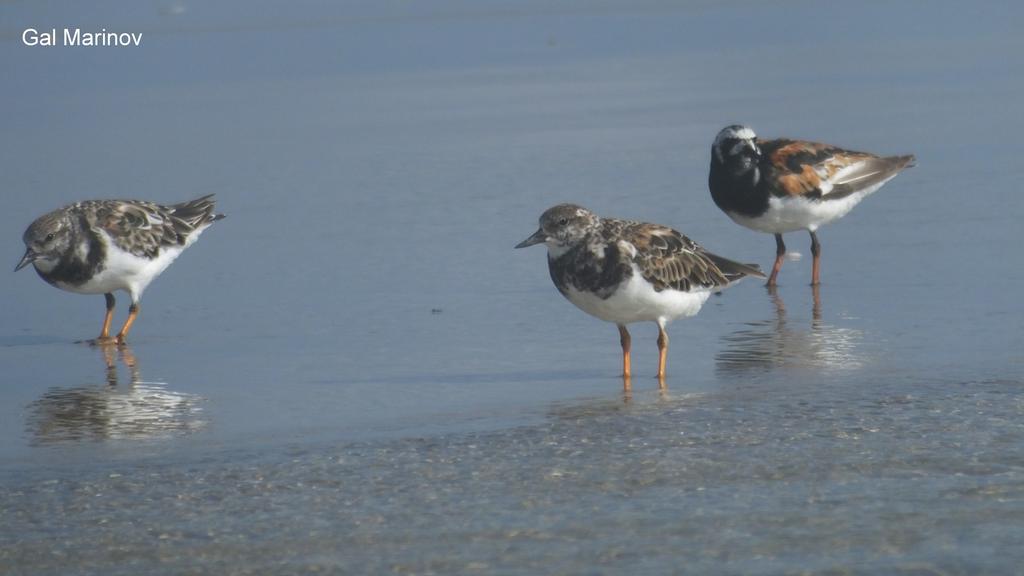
(356, 373)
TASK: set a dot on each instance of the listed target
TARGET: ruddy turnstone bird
(782, 185)
(99, 246)
(623, 271)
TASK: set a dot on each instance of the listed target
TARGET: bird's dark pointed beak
(27, 259)
(537, 237)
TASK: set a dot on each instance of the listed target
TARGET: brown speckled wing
(195, 213)
(823, 171)
(667, 259)
(144, 228)
(140, 228)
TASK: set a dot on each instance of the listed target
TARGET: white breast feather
(126, 271)
(792, 213)
(636, 300)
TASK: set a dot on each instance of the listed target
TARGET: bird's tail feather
(734, 271)
(197, 212)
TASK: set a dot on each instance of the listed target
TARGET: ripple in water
(113, 411)
(779, 342)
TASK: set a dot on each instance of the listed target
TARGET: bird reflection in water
(112, 411)
(790, 343)
(663, 394)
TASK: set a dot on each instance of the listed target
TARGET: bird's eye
(49, 236)
(563, 221)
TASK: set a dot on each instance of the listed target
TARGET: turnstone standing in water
(623, 271)
(782, 185)
(99, 246)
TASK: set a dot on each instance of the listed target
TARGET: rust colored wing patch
(787, 155)
(803, 183)
(823, 171)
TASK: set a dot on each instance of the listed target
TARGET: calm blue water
(356, 373)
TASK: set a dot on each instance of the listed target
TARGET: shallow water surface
(356, 373)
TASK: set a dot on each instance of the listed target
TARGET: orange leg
(627, 344)
(816, 266)
(780, 252)
(627, 341)
(133, 312)
(104, 337)
(105, 331)
(662, 354)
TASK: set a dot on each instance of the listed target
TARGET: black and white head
(736, 148)
(562, 226)
(47, 240)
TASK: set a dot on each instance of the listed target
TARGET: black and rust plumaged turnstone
(623, 271)
(99, 246)
(782, 185)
